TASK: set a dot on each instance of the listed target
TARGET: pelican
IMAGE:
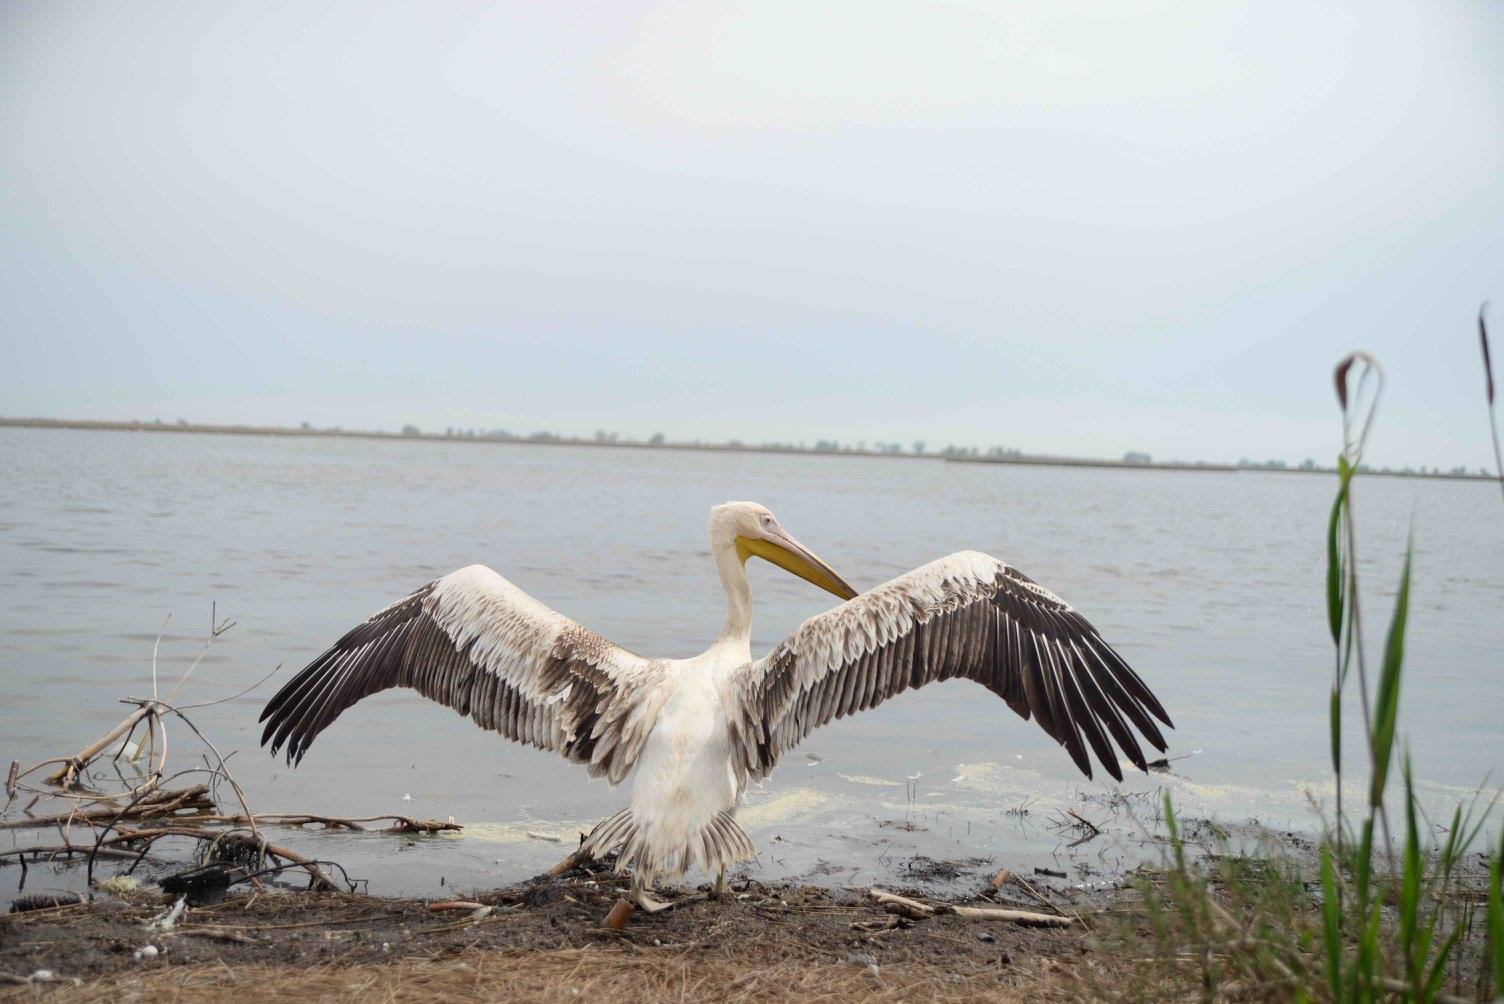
(692, 733)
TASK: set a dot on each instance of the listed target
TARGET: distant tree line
(877, 447)
(606, 437)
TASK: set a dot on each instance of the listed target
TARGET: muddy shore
(545, 940)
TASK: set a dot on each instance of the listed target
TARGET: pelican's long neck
(728, 563)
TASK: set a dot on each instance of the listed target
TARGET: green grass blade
(1331, 916)
(1387, 702)
(1496, 915)
(1410, 882)
(1176, 845)
(1365, 917)
(1450, 851)
(1334, 714)
(1334, 568)
(1366, 965)
(1470, 835)
(1439, 968)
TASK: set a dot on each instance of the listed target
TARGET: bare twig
(155, 648)
(1083, 821)
(233, 697)
(223, 767)
(216, 629)
(317, 880)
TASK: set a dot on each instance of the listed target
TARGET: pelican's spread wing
(968, 615)
(477, 643)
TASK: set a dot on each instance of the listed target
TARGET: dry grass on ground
(542, 942)
(756, 972)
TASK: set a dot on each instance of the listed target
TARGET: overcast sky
(1066, 227)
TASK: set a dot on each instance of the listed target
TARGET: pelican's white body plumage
(685, 786)
(691, 733)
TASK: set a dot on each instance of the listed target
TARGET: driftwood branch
(398, 823)
(71, 766)
(224, 768)
(915, 910)
(63, 850)
(125, 818)
(155, 804)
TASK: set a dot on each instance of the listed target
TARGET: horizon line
(1133, 460)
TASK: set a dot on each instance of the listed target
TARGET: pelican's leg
(639, 888)
(720, 884)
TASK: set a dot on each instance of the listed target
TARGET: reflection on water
(1210, 584)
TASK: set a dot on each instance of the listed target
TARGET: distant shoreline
(1025, 460)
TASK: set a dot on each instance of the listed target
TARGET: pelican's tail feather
(609, 834)
(649, 852)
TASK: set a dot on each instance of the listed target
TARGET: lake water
(1209, 583)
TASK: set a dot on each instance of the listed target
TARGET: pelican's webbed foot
(640, 898)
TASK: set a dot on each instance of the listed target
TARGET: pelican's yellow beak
(790, 555)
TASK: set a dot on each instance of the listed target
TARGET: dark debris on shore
(112, 938)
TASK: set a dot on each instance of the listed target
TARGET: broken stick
(914, 909)
(64, 776)
(578, 857)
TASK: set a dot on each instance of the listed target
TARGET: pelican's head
(752, 530)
